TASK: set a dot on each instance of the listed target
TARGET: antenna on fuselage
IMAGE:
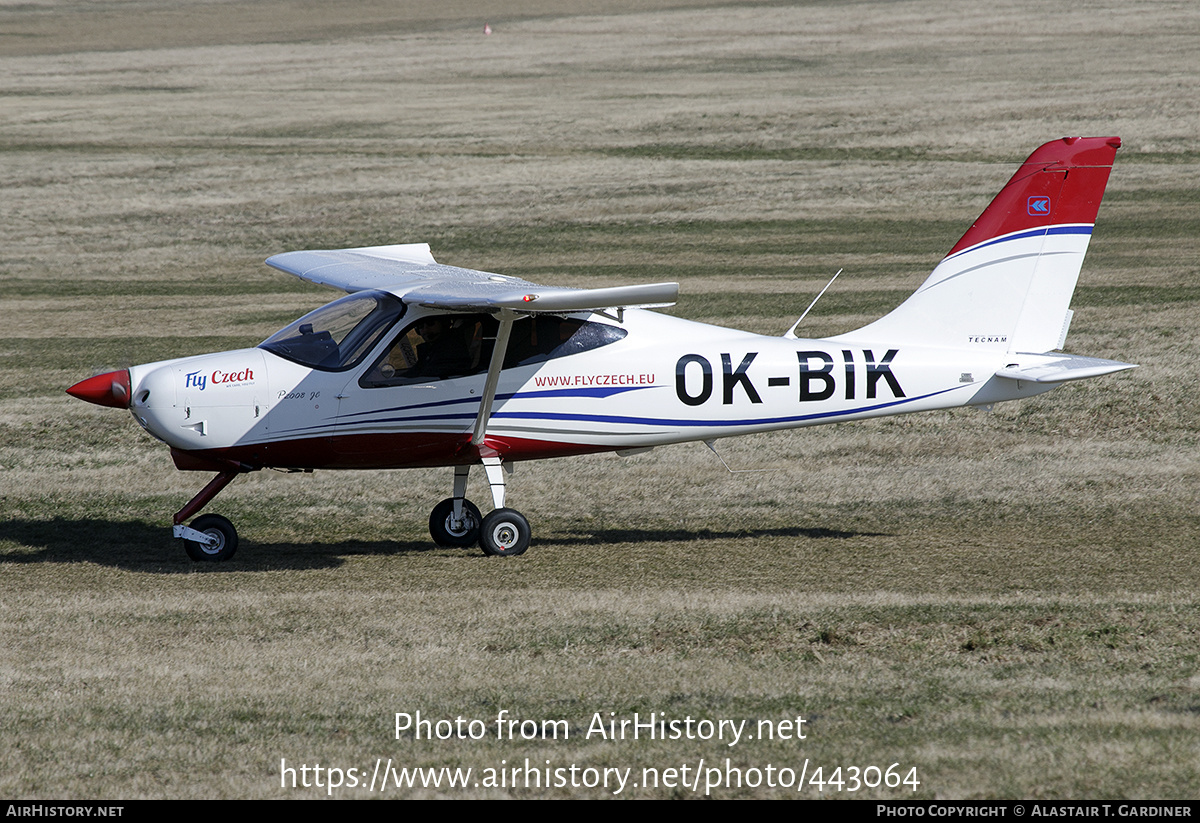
(712, 445)
(791, 333)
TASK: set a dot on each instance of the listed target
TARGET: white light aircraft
(424, 364)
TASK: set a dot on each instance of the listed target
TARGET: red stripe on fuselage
(381, 451)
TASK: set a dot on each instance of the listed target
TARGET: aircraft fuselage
(668, 381)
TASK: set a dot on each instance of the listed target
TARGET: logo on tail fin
(1038, 206)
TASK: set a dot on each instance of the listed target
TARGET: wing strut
(507, 318)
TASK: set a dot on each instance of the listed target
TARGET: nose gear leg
(215, 538)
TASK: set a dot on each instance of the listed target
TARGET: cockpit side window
(441, 346)
(546, 337)
(339, 335)
(435, 347)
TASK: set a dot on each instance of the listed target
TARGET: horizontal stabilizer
(1063, 368)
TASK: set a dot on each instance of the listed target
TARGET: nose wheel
(210, 538)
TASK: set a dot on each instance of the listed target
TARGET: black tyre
(504, 533)
(443, 529)
(218, 527)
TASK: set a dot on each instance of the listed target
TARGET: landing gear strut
(456, 521)
(210, 537)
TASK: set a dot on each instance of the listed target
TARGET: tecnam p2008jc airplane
(423, 364)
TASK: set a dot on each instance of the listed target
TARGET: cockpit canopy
(440, 346)
(338, 335)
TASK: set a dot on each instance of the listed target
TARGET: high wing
(410, 272)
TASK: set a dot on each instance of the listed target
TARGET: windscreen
(338, 335)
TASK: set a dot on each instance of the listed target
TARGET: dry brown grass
(1006, 601)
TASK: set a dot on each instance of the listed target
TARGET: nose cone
(110, 389)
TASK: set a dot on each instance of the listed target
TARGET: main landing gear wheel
(445, 532)
(504, 533)
(216, 526)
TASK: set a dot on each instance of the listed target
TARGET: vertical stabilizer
(1007, 284)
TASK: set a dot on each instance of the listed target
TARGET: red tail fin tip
(1061, 183)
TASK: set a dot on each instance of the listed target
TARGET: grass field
(1006, 602)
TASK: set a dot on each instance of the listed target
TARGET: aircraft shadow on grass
(608, 536)
(137, 546)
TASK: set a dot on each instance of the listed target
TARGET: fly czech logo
(201, 381)
(1039, 206)
(243, 376)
